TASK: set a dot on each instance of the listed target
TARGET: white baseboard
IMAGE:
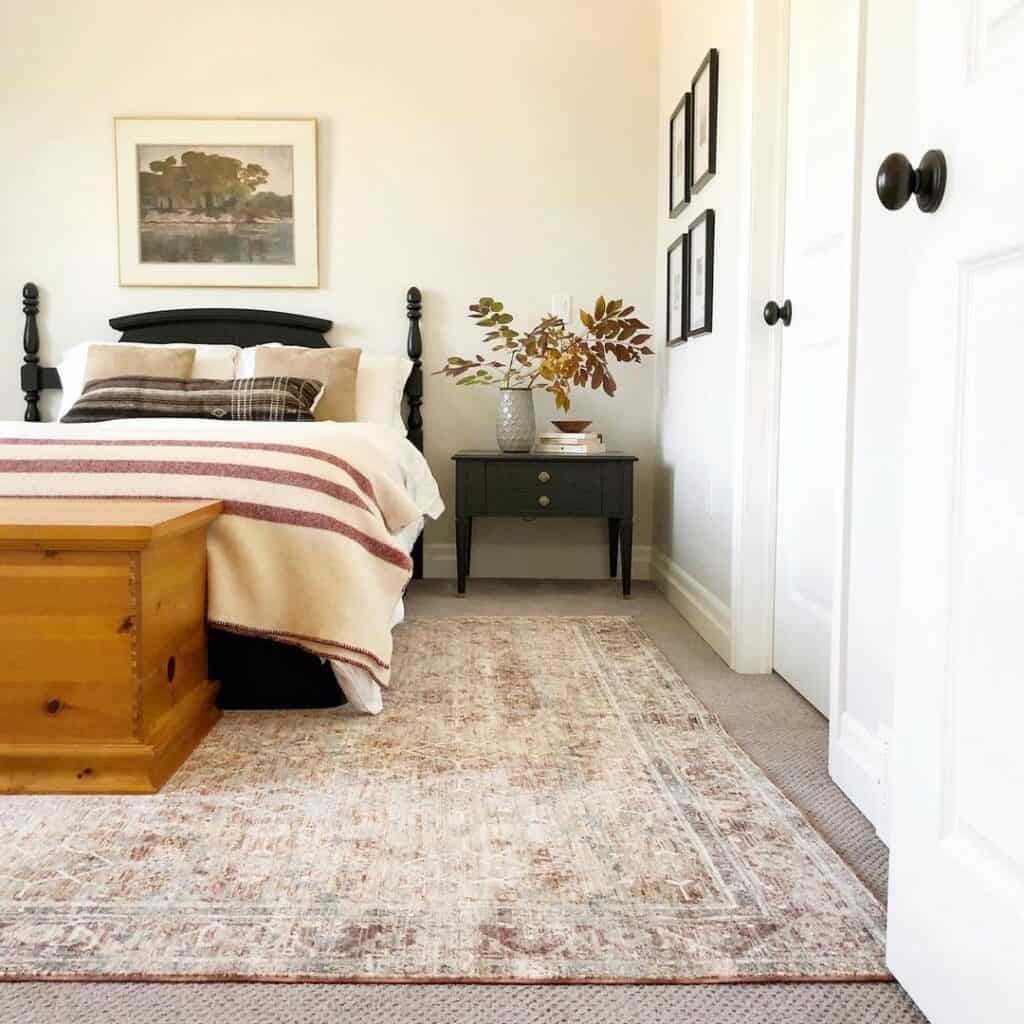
(532, 562)
(883, 822)
(859, 765)
(708, 614)
(438, 561)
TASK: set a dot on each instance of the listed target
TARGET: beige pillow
(335, 368)
(134, 361)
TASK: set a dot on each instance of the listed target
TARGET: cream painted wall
(697, 381)
(470, 148)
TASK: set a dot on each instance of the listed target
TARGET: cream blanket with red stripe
(303, 552)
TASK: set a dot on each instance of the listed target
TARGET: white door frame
(756, 454)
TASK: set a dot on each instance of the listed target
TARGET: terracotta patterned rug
(542, 799)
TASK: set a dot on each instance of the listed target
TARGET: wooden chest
(103, 684)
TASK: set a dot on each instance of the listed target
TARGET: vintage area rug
(542, 799)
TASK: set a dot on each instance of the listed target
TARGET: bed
(308, 504)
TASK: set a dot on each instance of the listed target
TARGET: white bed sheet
(361, 690)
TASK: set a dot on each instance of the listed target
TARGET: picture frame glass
(704, 122)
(702, 125)
(697, 318)
(217, 202)
(676, 294)
(678, 177)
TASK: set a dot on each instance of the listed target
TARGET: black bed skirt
(255, 673)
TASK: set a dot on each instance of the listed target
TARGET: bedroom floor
(779, 730)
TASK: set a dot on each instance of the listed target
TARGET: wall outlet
(561, 306)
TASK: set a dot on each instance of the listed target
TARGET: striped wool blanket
(304, 551)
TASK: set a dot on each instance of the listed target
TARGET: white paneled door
(819, 224)
(956, 905)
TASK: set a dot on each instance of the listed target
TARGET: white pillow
(216, 362)
(380, 385)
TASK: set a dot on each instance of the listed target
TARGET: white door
(956, 909)
(819, 226)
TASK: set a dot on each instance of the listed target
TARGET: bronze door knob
(897, 181)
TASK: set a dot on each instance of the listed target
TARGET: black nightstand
(546, 486)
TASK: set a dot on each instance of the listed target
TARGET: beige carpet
(543, 799)
(179, 1003)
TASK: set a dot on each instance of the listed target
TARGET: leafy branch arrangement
(552, 357)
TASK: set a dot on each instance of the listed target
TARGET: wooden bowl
(571, 426)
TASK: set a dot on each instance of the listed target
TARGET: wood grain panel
(102, 643)
(129, 767)
(172, 623)
(67, 625)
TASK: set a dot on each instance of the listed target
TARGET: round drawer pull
(543, 501)
(544, 476)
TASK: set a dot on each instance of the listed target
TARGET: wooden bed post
(30, 375)
(414, 394)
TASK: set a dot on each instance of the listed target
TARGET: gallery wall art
(705, 122)
(680, 136)
(700, 291)
(676, 266)
(693, 162)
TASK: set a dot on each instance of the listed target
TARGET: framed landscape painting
(217, 202)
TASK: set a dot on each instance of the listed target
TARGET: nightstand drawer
(544, 488)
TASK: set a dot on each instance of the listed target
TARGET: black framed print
(679, 155)
(700, 277)
(704, 146)
(675, 301)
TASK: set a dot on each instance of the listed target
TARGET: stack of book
(559, 443)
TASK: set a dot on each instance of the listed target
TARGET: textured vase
(516, 425)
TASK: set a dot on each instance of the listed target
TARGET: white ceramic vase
(517, 425)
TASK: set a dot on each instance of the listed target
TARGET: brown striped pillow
(249, 398)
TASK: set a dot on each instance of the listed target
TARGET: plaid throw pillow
(251, 398)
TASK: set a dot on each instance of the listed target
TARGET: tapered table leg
(463, 539)
(613, 547)
(626, 541)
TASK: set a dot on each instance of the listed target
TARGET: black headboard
(243, 327)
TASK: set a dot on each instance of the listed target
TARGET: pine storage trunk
(103, 672)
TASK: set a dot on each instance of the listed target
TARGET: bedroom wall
(694, 485)
(469, 148)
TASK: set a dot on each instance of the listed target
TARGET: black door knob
(897, 181)
(773, 313)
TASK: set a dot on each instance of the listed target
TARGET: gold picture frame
(217, 202)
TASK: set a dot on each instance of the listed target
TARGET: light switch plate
(561, 306)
